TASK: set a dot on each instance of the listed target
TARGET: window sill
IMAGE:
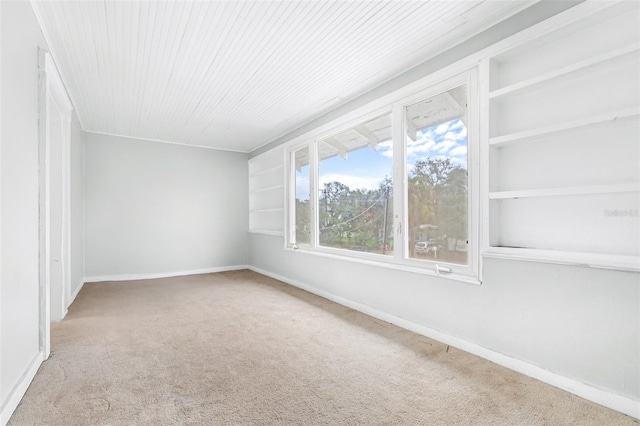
(388, 264)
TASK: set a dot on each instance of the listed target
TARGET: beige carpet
(238, 348)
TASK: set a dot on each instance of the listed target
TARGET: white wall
(154, 208)
(21, 37)
(20, 354)
(19, 285)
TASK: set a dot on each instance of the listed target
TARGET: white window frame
(395, 103)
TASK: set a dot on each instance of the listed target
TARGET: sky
(365, 168)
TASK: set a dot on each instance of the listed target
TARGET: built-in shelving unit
(266, 193)
(563, 144)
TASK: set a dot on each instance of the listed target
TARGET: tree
(356, 219)
(334, 213)
(437, 200)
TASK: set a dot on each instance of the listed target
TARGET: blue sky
(365, 168)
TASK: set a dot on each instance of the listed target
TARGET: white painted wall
(19, 168)
(154, 208)
(21, 37)
(20, 356)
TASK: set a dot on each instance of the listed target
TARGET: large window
(355, 188)
(393, 187)
(437, 178)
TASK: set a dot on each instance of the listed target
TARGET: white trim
(616, 262)
(18, 391)
(75, 293)
(380, 261)
(269, 188)
(267, 232)
(1, 411)
(163, 141)
(564, 191)
(603, 397)
(135, 277)
(563, 127)
(277, 209)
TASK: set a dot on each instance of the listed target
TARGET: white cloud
(457, 135)
(458, 151)
(386, 148)
(444, 146)
(443, 128)
(458, 124)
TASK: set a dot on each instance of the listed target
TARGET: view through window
(303, 203)
(355, 190)
(420, 219)
(437, 178)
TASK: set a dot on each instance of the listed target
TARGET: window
(394, 187)
(437, 178)
(355, 188)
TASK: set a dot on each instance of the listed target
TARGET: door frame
(51, 89)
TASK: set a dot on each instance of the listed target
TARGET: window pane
(302, 208)
(437, 181)
(355, 193)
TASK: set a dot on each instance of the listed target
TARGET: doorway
(55, 134)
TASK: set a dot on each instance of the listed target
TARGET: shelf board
(279, 209)
(563, 127)
(267, 232)
(268, 169)
(592, 260)
(564, 71)
(269, 188)
(575, 190)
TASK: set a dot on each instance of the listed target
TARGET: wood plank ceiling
(236, 74)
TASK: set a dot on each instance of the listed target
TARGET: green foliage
(437, 200)
(361, 219)
(355, 219)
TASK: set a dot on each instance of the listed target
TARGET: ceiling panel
(238, 74)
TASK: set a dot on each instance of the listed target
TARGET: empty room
(319, 212)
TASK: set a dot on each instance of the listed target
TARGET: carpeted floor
(239, 348)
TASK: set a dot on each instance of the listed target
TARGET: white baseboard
(75, 293)
(132, 277)
(603, 397)
(18, 391)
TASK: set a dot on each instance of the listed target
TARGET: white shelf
(564, 71)
(576, 190)
(279, 209)
(269, 169)
(563, 127)
(592, 260)
(267, 232)
(270, 188)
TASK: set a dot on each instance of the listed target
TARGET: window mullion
(399, 198)
(313, 188)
